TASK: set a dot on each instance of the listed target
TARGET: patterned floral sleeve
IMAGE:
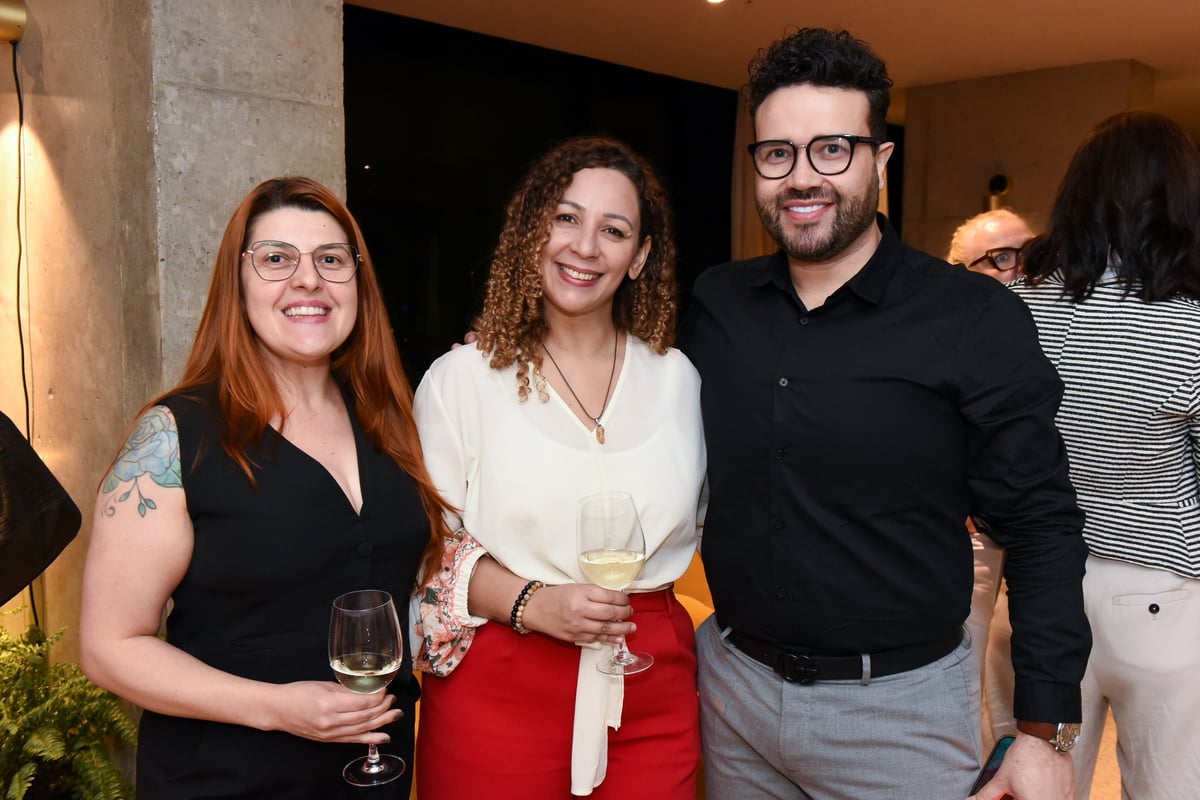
(444, 626)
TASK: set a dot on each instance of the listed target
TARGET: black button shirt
(848, 444)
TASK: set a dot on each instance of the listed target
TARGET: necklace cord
(607, 390)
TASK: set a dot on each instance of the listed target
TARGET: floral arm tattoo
(152, 451)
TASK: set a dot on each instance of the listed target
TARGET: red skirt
(500, 725)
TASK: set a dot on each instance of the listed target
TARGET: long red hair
(225, 353)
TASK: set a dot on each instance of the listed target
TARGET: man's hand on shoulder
(1032, 770)
(468, 339)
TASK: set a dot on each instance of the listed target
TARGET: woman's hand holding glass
(580, 613)
(325, 711)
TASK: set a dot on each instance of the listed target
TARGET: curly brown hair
(512, 324)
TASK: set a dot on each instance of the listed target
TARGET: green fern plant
(56, 726)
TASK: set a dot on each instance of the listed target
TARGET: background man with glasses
(992, 243)
(861, 399)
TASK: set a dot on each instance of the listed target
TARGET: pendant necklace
(596, 419)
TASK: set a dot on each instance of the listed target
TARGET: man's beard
(852, 216)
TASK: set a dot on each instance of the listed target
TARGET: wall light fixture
(12, 20)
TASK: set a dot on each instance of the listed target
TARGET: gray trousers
(911, 736)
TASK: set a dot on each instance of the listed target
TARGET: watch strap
(1062, 736)
(1042, 730)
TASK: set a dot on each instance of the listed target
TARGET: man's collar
(868, 283)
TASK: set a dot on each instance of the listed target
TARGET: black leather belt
(806, 668)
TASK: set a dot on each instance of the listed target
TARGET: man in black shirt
(860, 400)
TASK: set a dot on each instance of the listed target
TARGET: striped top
(1130, 418)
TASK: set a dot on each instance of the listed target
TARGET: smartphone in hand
(992, 765)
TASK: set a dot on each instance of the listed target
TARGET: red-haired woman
(572, 389)
(282, 471)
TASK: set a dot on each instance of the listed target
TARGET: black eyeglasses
(1001, 259)
(278, 261)
(774, 159)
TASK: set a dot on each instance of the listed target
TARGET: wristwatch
(1061, 736)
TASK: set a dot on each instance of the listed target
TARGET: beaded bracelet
(516, 619)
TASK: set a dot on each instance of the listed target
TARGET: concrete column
(243, 91)
(146, 122)
(1026, 126)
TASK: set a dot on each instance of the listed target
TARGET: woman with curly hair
(283, 471)
(571, 389)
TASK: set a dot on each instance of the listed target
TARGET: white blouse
(518, 470)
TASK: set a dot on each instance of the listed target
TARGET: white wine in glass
(612, 569)
(365, 651)
(612, 551)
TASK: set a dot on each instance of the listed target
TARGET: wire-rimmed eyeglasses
(774, 159)
(278, 261)
(999, 259)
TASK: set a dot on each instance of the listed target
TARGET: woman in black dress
(282, 471)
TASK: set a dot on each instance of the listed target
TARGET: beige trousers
(1145, 664)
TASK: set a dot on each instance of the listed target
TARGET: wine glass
(612, 551)
(365, 652)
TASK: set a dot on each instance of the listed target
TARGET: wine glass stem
(621, 656)
(372, 764)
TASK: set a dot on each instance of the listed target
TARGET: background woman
(1115, 288)
(282, 471)
(571, 389)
